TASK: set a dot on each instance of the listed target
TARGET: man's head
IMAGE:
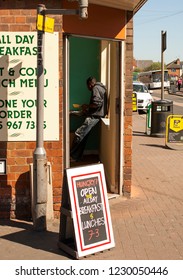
(91, 81)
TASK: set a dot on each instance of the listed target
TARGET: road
(176, 98)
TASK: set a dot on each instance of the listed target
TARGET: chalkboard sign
(90, 209)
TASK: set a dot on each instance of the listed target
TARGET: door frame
(66, 116)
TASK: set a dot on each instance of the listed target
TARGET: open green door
(84, 61)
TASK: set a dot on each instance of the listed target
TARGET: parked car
(144, 97)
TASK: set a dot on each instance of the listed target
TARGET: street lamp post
(39, 156)
(163, 48)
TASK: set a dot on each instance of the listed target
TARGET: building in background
(175, 69)
(142, 64)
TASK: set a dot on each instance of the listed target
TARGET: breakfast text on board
(19, 83)
(7, 49)
(91, 210)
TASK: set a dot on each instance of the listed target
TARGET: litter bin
(161, 109)
(172, 89)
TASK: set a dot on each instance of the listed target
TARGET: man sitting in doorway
(94, 111)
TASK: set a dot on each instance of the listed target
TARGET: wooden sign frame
(90, 209)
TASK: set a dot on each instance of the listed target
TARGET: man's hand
(84, 108)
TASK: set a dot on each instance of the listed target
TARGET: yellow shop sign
(45, 24)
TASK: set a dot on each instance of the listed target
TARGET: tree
(137, 70)
(154, 66)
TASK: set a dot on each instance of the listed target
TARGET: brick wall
(15, 198)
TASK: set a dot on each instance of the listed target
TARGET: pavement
(147, 226)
